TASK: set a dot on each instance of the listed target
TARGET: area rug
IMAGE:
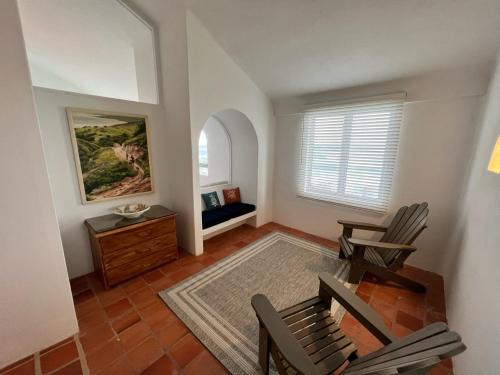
(215, 303)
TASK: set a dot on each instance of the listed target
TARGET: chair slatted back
(404, 228)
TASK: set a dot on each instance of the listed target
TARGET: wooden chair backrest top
(421, 350)
(404, 228)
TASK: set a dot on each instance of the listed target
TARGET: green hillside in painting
(114, 159)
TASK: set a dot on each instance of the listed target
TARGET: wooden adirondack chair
(382, 258)
(304, 339)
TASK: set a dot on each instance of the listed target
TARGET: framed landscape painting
(112, 154)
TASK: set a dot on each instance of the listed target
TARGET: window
(203, 154)
(214, 150)
(349, 153)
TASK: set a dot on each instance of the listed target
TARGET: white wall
(472, 257)
(174, 68)
(216, 82)
(71, 213)
(66, 38)
(36, 308)
(439, 123)
(244, 159)
(219, 153)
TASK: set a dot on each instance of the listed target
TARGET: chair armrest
(363, 226)
(420, 350)
(381, 245)
(357, 307)
(431, 331)
(282, 337)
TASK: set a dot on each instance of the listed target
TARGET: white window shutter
(348, 153)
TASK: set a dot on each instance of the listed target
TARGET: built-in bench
(225, 217)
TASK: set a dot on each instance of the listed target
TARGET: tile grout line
(82, 358)
(81, 354)
(38, 364)
(134, 308)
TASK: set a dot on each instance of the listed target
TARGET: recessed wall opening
(227, 159)
(90, 47)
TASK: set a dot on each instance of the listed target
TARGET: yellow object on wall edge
(494, 165)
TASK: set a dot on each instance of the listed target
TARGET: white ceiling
(291, 47)
(93, 47)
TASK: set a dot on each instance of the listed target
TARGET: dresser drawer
(136, 236)
(165, 243)
(129, 270)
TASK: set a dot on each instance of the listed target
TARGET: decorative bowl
(131, 211)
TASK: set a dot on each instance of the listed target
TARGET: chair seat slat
(306, 313)
(311, 319)
(308, 340)
(324, 342)
(314, 328)
(282, 339)
(345, 245)
(330, 349)
(300, 307)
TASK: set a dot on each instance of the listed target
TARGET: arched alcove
(226, 157)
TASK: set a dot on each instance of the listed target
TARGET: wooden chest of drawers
(123, 248)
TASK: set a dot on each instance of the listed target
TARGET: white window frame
(363, 160)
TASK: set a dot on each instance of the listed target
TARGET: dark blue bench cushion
(214, 217)
(225, 213)
(238, 209)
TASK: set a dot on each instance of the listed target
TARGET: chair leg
(264, 349)
(355, 273)
(397, 278)
(353, 356)
(419, 371)
(341, 254)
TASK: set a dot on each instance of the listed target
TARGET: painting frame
(70, 114)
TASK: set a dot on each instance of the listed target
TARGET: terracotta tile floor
(129, 330)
